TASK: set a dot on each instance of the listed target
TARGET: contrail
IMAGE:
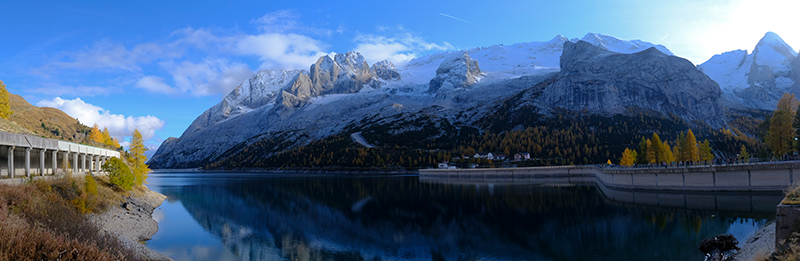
(450, 16)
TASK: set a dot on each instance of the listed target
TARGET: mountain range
(341, 94)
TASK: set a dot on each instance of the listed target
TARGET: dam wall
(744, 177)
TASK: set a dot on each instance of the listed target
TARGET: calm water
(233, 216)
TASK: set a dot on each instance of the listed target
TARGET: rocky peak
(772, 57)
(573, 54)
(351, 62)
(602, 81)
(458, 71)
(345, 73)
(385, 70)
(323, 74)
(261, 89)
(771, 48)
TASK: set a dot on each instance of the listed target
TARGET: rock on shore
(132, 222)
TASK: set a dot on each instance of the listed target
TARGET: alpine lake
(262, 216)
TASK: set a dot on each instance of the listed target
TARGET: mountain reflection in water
(304, 217)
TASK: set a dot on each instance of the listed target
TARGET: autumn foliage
(40, 222)
(5, 104)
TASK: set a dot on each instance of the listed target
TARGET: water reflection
(262, 217)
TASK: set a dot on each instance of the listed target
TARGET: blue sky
(157, 65)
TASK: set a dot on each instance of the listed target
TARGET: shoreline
(131, 221)
(760, 245)
(301, 171)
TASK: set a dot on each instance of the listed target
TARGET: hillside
(47, 122)
(44, 122)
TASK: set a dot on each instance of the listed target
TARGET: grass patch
(46, 220)
(792, 195)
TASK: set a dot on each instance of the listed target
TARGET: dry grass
(792, 195)
(40, 221)
(790, 251)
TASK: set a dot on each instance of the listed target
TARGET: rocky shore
(758, 246)
(132, 221)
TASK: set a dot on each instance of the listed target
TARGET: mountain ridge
(756, 79)
(489, 75)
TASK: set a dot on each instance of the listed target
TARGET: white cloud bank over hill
(119, 126)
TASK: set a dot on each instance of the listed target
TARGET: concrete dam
(768, 176)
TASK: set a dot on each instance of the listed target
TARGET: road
(360, 139)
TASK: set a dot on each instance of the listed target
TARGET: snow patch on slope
(617, 45)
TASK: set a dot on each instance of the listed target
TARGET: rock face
(757, 79)
(796, 74)
(345, 73)
(458, 71)
(385, 70)
(602, 81)
(258, 91)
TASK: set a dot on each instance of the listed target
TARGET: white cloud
(107, 55)
(118, 125)
(281, 51)
(61, 90)
(203, 61)
(278, 21)
(196, 61)
(154, 84)
(399, 49)
(209, 77)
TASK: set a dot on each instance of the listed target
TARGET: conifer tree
(137, 158)
(690, 147)
(744, 155)
(796, 126)
(657, 146)
(96, 135)
(680, 146)
(780, 137)
(108, 140)
(676, 152)
(642, 157)
(705, 151)
(667, 153)
(651, 153)
(628, 157)
(5, 102)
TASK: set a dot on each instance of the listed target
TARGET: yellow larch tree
(137, 159)
(780, 136)
(628, 157)
(96, 135)
(689, 148)
(5, 102)
(108, 140)
(666, 152)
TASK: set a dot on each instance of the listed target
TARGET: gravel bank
(760, 245)
(132, 222)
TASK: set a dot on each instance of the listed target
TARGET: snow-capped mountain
(341, 92)
(621, 46)
(756, 79)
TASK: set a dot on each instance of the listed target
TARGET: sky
(157, 65)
